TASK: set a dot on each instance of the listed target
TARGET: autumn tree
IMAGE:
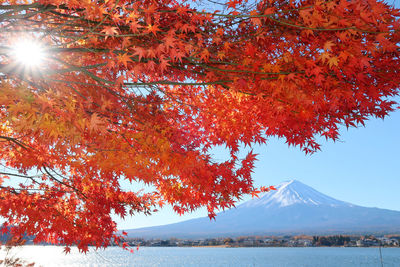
(142, 91)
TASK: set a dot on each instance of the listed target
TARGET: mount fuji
(293, 208)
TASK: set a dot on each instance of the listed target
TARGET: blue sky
(362, 168)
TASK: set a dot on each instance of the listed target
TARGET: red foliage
(143, 90)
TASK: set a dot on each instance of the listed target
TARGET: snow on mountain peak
(294, 192)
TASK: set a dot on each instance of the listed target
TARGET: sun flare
(29, 53)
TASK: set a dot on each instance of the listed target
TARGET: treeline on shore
(274, 241)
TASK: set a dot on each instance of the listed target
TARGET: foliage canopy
(143, 90)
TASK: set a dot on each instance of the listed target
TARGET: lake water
(205, 256)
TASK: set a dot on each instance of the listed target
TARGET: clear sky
(362, 168)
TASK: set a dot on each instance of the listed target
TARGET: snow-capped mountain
(291, 193)
(293, 208)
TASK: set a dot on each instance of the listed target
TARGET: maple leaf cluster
(142, 91)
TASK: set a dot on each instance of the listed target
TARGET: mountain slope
(291, 193)
(293, 208)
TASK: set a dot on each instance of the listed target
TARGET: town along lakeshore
(274, 241)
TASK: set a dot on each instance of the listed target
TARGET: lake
(206, 256)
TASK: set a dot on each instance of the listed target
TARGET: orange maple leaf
(140, 52)
(109, 30)
(124, 59)
(95, 122)
(153, 29)
(333, 61)
(328, 45)
(205, 55)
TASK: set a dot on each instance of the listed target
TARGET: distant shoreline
(217, 246)
(392, 240)
(274, 241)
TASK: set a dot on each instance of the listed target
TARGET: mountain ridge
(293, 208)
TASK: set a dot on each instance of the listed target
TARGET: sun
(28, 52)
